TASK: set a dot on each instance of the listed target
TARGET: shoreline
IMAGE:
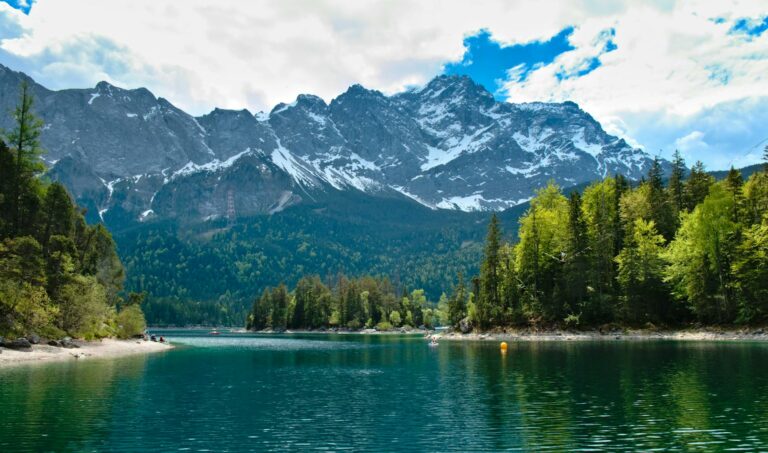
(759, 334)
(88, 350)
(691, 334)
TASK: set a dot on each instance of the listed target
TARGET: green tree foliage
(57, 274)
(600, 210)
(751, 274)
(130, 321)
(24, 140)
(697, 186)
(543, 240)
(576, 257)
(663, 211)
(457, 304)
(347, 304)
(701, 255)
(600, 257)
(677, 183)
(641, 274)
(488, 303)
(174, 267)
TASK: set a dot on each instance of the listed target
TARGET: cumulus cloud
(676, 74)
(630, 60)
(230, 53)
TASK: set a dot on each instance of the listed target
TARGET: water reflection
(64, 406)
(390, 393)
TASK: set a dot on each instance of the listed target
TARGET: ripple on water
(269, 393)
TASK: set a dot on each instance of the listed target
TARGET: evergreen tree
(697, 186)
(58, 213)
(622, 187)
(7, 181)
(765, 158)
(279, 312)
(751, 274)
(755, 193)
(457, 304)
(640, 275)
(676, 183)
(599, 210)
(303, 299)
(576, 263)
(24, 140)
(734, 183)
(734, 180)
(701, 256)
(661, 206)
(489, 302)
(539, 255)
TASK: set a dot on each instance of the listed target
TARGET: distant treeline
(691, 250)
(58, 275)
(365, 302)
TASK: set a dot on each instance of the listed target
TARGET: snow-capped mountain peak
(447, 145)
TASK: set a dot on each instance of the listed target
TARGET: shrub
(130, 322)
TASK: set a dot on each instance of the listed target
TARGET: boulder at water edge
(19, 343)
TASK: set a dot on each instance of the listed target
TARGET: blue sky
(663, 74)
(488, 61)
(21, 5)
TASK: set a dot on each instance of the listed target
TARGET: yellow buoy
(503, 346)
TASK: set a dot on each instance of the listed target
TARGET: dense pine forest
(685, 250)
(58, 275)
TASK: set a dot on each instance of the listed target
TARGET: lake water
(392, 393)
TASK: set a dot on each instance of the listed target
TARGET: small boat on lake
(214, 332)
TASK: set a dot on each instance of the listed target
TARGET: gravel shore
(107, 348)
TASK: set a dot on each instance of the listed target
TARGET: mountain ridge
(130, 156)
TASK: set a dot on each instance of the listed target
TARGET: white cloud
(671, 57)
(229, 53)
(691, 142)
(674, 64)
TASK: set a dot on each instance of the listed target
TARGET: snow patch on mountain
(283, 158)
(212, 166)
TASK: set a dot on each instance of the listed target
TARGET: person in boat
(153, 338)
(162, 340)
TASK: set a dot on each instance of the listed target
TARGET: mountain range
(207, 211)
(131, 157)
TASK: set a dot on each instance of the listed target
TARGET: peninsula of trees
(58, 275)
(689, 251)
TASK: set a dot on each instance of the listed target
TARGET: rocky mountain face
(131, 157)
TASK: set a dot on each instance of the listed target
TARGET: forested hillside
(209, 274)
(58, 275)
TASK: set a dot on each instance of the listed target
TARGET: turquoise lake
(247, 392)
